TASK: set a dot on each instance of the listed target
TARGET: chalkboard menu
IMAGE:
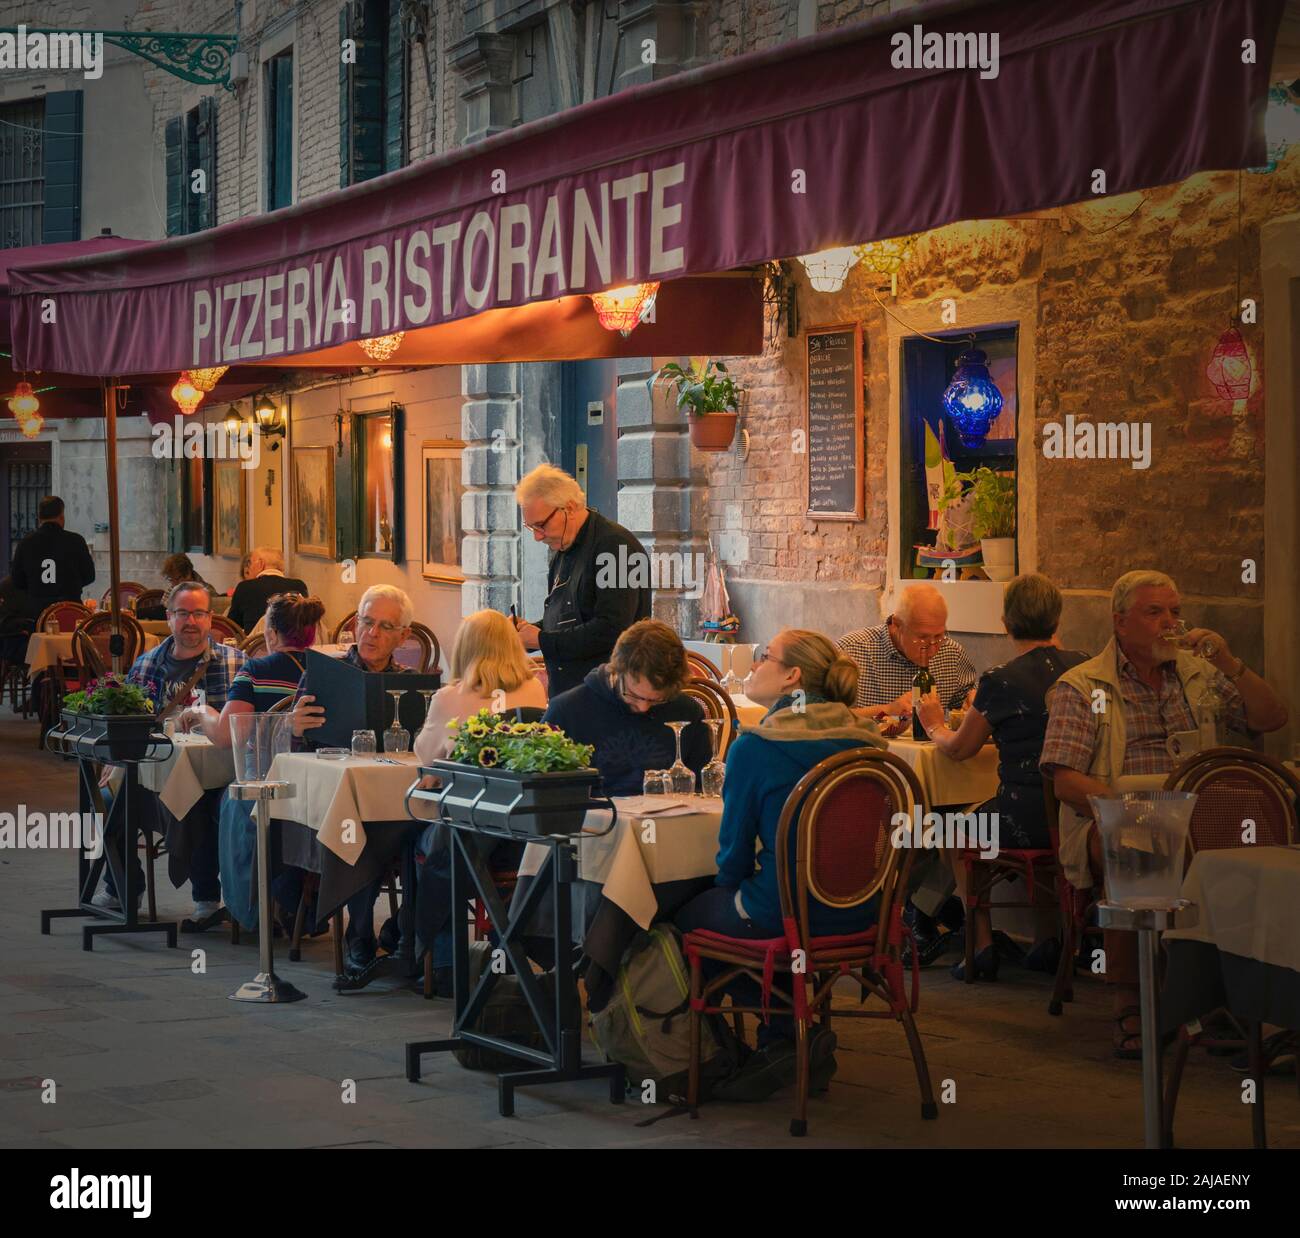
(834, 438)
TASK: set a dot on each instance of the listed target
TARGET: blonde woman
(489, 670)
(763, 766)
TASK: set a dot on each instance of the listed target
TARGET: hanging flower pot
(713, 431)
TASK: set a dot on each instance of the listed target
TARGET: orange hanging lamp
(23, 403)
(381, 347)
(621, 309)
(186, 393)
(206, 379)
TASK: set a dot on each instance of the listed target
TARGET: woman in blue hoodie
(808, 686)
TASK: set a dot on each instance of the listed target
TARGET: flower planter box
(500, 801)
(115, 738)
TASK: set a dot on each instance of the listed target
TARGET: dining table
(45, 649)
(946, 782)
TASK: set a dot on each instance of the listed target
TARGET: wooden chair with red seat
(1233, 786)
(226, 629)
(1073, 905)
(66, 616)
(716, 704)
(842, 811)
(127, 593)
(702, 668)
(151, 600)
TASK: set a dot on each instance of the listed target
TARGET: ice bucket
(256, 740)
(1143, 842)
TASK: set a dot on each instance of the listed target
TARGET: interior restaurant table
(736, 658)
(348, 822)
(46, 648)
(629, 878)
(945, 781)
(1244, 953)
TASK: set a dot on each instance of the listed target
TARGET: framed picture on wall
(440, 481)
(229, 514)
(313, 501)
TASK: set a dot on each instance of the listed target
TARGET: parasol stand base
(265, 988)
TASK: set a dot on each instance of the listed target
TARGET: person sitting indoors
(1010, 705)
(621, 707)
(245, 573)
(489, 670)
(248, 602)
(763, 766)
(383, 622)
(888, 657)
(175, 569)
(1151, 682)
(260, 684)
(188, 664)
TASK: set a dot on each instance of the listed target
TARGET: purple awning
(813, 144)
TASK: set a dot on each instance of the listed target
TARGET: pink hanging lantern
(1230, 369)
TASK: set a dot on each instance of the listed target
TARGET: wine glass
(396, 737)
(681, 779)
(715, 771)
(427, 693)
(1177, 636)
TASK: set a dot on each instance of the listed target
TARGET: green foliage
(702, 389)
(109, 695)
(490, 741)
(993, 500)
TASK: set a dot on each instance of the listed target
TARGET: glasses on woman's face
(766, 656)
(540, 526)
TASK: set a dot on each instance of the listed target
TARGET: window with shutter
(362, 93)
(395, 91)
(278, 82)
(62, 198)
(175, 166)
(205, 160)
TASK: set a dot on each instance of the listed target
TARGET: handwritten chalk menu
(834, 423)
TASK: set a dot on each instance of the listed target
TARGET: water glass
(397, 739)
(169, 727)
(655, 782)
(711, 779)
(363, 743)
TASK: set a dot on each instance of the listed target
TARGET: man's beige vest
(1100, 675)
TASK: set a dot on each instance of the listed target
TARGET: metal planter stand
(1148, 922)
(90, 739)
(560, 1025)
(266, 987)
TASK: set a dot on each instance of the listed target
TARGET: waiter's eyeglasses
(540, 526)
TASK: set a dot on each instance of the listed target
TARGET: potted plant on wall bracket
(523, 778)
(710, 397)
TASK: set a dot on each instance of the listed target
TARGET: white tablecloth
(1249, 901)
(736, 658)
(627, 862)
(45, 648)
(336, 798)
(195, 765)
(749, 712)
(946, 781)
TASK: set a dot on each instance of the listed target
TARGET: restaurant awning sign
(826, 141)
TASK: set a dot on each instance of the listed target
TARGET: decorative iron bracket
(200, 58)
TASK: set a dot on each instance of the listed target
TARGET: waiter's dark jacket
(73, 568)
(581, 622)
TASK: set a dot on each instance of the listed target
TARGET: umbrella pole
(116, 645)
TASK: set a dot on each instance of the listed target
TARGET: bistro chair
(90, 645)
(716, 704)
(151, 604)
(702, 668)
(15, 633)
(842, 811)
(1074, 908)
(128, 591)
(420, 651)
(1232, 785)
(225, 630)
(66, 614)
(346, 626)
(254, 646)
(45, 687)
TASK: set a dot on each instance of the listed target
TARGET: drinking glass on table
(396, 737)
(681, 776)
(363, 743)
(712, 775)
(655, 782)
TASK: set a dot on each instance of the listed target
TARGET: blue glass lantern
(972, 399)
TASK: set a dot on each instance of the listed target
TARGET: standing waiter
(52, 564)
(582, 619)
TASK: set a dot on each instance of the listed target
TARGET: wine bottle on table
(922, 685)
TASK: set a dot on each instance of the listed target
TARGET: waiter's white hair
(551, 485)
(390, 593)
(918, 597)
(272, 558)
(1121, 596)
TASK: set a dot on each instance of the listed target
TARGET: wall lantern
(381, 347)
(186, 394)
(208, 378)
(621, 309)
(972, 399)
(828, 269)
(1230, 369)
(270, 420)
(886, 257)
(23, 403)
(234, 422)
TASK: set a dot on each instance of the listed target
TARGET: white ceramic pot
(999, 555)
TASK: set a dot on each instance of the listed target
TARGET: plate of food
(892, 726)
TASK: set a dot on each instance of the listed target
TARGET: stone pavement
(146, 1053)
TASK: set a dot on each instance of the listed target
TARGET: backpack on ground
(505, 1014)
(646, 1025)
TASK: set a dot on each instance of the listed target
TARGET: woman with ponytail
(808, 686)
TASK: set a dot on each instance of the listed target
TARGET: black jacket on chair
(73, 567)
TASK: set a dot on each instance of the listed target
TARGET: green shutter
(204, 156)
(361, 129)
(175, 506)
(395, 82)
(61, 219)
(345, 98)
(398, 431)
(346, 507)
(175, 178)
(279, 131)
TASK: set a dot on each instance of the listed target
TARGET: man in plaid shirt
(1125, 713)
(162, 673)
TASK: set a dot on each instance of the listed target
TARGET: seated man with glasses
(621, 708)
(383, 622)
(189, 666)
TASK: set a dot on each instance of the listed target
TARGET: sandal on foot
(1128, 1045)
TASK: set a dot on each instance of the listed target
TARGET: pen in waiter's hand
(514, 617)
